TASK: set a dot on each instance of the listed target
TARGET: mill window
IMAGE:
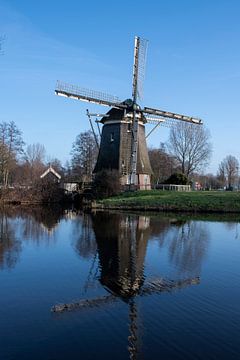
(112, 137)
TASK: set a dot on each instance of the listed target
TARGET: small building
(51, 175)
(70, 187)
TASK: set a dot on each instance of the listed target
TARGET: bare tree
(190, 145)
(229, 169)
(57, 165)
(35, 157)
(84, 154)
(11, 146)
(163, 164)
(221, 174)
(35, 152)
(209, 181)
(67, 170)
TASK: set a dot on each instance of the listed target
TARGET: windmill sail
(83, 94)
(140, 52)
(170, 115)
(153, 287)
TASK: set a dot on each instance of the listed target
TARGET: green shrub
(177, 179)
(106, 184)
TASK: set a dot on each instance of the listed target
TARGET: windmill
(123, 144)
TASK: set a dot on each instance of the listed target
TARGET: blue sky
(192, 67)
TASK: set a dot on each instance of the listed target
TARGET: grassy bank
(194, 201)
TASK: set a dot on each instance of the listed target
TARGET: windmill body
(123, 141)
(116, 147)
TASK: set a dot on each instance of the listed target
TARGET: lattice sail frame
(139, 65)
(84, 94)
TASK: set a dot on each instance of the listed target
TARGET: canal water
(138, 286)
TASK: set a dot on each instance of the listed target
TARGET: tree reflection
(187, 242)
(85, 243)
(10, 247)
(30, 223)
(40, 222)
(188, 246)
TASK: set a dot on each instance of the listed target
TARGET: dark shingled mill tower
(123, 144)
(116, 146)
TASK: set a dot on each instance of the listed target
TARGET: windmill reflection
(121, 244)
